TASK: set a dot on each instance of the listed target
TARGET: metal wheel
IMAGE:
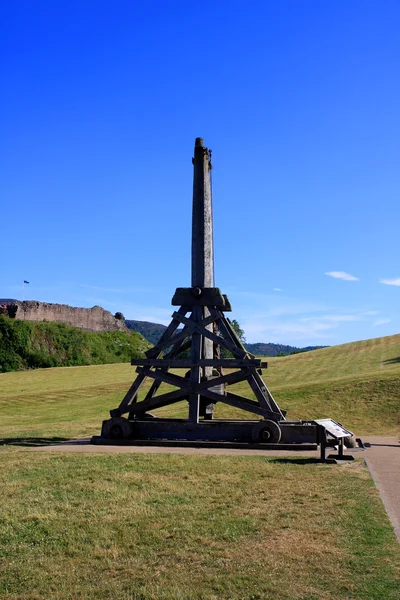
(116, 428)
(266, 432)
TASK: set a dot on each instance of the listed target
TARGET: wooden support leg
(341, 448)
(267, 394)
(179, 347)
(207, 345)
(208, 353)
(195, 372)
(321, 433)
(130, 396)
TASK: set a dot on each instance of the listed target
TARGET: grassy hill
(179, 527)
(357, 384)
(151, 331)
(270, 349)
(31, 344)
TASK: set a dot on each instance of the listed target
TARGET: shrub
(27, 344)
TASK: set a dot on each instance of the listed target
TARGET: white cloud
(381, 322)
(295, 308)
(390, 281)
(277, 290)
(289, 332)
(342, 275)
(333, 318)
(292, 326)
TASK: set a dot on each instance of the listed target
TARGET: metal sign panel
(334, 428)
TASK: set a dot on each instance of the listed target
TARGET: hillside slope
(357, 384)
(270, 349)
(375, 357)
(151, 331)
(27, 344)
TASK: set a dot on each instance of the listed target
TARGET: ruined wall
(90, 319)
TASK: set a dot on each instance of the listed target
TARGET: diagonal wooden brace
(187, 388)
(155, 402)
(185, 383)
(201, 328)
(243, 403)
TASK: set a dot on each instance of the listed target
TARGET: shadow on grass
(296, 461)
(32, 441)
(387, 445)
(392, 361)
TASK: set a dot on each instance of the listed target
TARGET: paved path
(84, 445)
(382, 458)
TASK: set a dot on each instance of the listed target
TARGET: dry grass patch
(178, 527)
(172, 526)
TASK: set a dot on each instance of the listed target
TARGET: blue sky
(299, 101)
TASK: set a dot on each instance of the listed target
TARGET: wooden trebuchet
(205, 355)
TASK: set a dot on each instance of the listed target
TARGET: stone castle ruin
(89, 319)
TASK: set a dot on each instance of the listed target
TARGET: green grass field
(357, 384)
(178, 527)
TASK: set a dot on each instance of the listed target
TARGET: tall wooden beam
(195, 371)
(202, 246)
(202, 220)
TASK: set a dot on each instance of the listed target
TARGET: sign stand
(330, 433)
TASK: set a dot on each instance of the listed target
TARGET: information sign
(334, 428)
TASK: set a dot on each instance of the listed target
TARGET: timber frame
(204, 322)
(200, 329)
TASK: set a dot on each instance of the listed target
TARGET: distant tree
(119, 316)
(281, 354)
(12, 310)
(239, 331)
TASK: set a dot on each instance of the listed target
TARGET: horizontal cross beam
(229, 363)
(187, 385)
(188, 388)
